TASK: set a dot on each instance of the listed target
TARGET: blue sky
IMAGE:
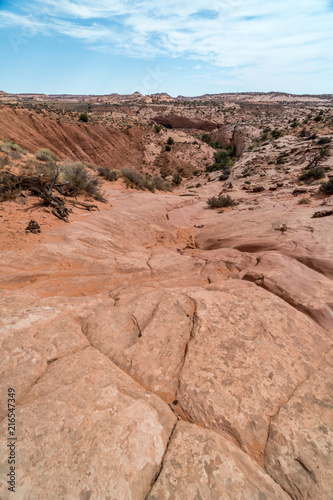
(188, 47)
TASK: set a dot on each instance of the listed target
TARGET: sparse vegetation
(45, 154)
(12, 149)
(170, 141)
(220, 201)
(137, 181)
(84, 118)
(177, 179)
(158, 128)
(304, 201)
(324, 140)
(327, 187)
(167, 147)
(10, 186)
(110, 175)
(311, 174)
(224, 160)
(276, 133)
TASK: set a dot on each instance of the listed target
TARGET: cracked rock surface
(181, 357)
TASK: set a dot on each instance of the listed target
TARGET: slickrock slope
(156, 358)
(160, 349)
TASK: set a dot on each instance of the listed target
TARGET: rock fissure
(272, 417)
(158, 473)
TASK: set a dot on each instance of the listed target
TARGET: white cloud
(270, 36)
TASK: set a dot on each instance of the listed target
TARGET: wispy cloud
(275, 36)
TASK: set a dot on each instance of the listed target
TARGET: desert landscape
(166, 296)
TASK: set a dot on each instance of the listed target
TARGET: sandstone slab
(87, 431)
(200, 464)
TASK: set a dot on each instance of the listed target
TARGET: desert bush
(295, 123)
(4, 161)
(224, 160)
(12, 149)
(225, 175)
(323, 152)
(110, 175)
(304, 201)
(324, 140)
(327, 187)
(84, 118)
(177, 179)
(9, 186)
(133, 177)
(78, 181)
(135, 180)
(220, 201)
(214, 144)
(158, 128)
(312, 174)
(170, 141)
(74, 176)
(160, 184)
(167, 147)
(45, 154)
(276, 133)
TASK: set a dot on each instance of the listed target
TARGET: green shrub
(214, 144)
(45, 154)
(220, 201)
(167, 147)
(327, 187)
(224, 160)
(177, 179)
(110, 175)
(276, 133)
(158, 128)
(323, 152)
(206, 138)
(84, 118)
(310, 174)
(170, 141)
(324, 140)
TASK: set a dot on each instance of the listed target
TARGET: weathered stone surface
(298, 285)
(147, 338)
(299, 452)
(201, 464)
(246, 358)
(86, 430)
(30, 338)
(159, 353)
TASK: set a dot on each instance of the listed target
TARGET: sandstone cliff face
(239, 136)
(155, 359)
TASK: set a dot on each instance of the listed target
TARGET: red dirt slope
(77, 141)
